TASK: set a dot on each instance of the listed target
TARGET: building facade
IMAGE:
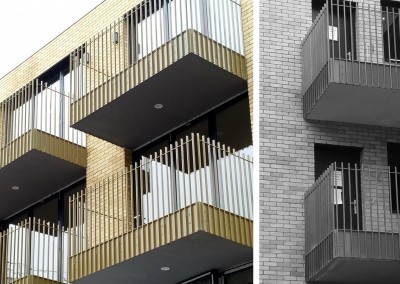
(329, 141)
(126, 148)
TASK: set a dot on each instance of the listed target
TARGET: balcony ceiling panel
(187, 257)
(37, 175)
(359, 270)
(186, 89)
(358, 104)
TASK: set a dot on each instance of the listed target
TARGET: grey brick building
(329, 137)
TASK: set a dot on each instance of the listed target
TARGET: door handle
(354, 203)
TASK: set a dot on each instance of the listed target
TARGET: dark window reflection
(390, 29)
(47, 211)
(393, 152)
(208, 279)
(200, 127)
(151, 150)
(234, 127)
(73, 190)
(240, 277)
(16, 220)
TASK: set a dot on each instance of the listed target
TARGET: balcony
(352, 226)
(32, 252)
(39, 153)
(188, 207)
(159, 66)
(351, 60)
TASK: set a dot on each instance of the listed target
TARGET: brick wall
(103, 158)
(106, 161)
(247, 21)
(287, 140)
(62, 45)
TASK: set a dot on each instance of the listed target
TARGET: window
(79, 73)
(207, 278)
(393, 153)
(41, 106)
(239, 275)
(177, 173)
(390, 29)
(148, 28)
(47, 211)
(153, 23)
(242, 275)
(234, 127)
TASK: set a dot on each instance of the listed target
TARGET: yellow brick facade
(62, 45)
(103, 158)
(247, 22)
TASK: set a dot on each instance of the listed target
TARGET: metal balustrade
(33, 251)
(146, 40)
(194, 184)
(354, 44)
(352, 212)
(37, 117)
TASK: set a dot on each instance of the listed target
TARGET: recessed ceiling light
(14, 187)
(158, 106)
(165, 268)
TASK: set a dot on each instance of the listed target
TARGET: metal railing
(36, 116)
(33, 249)
(192, 172)
(147, 39)
(360, 42)
(353, 211)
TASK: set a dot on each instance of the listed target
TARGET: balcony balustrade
(39, 152)
(33, 252)
(190, 202)
(352, 225)
(157, 67)
(351, 60)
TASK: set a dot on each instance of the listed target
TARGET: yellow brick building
(126, 148)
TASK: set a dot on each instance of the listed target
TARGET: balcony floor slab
(355, 92)
(358, 104)
(187, 88)
(186, 257)
(37, 175)
(358, 270)
(359, 257)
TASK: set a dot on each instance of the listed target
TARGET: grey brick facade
(287, 140)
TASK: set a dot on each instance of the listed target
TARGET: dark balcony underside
(355, 93)
(363, 257)
(357, 270)
(186, 89)
(187, 257)
(38, 175)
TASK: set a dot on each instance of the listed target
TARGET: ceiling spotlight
(158, 106)
(14, 187)
(165, 268)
